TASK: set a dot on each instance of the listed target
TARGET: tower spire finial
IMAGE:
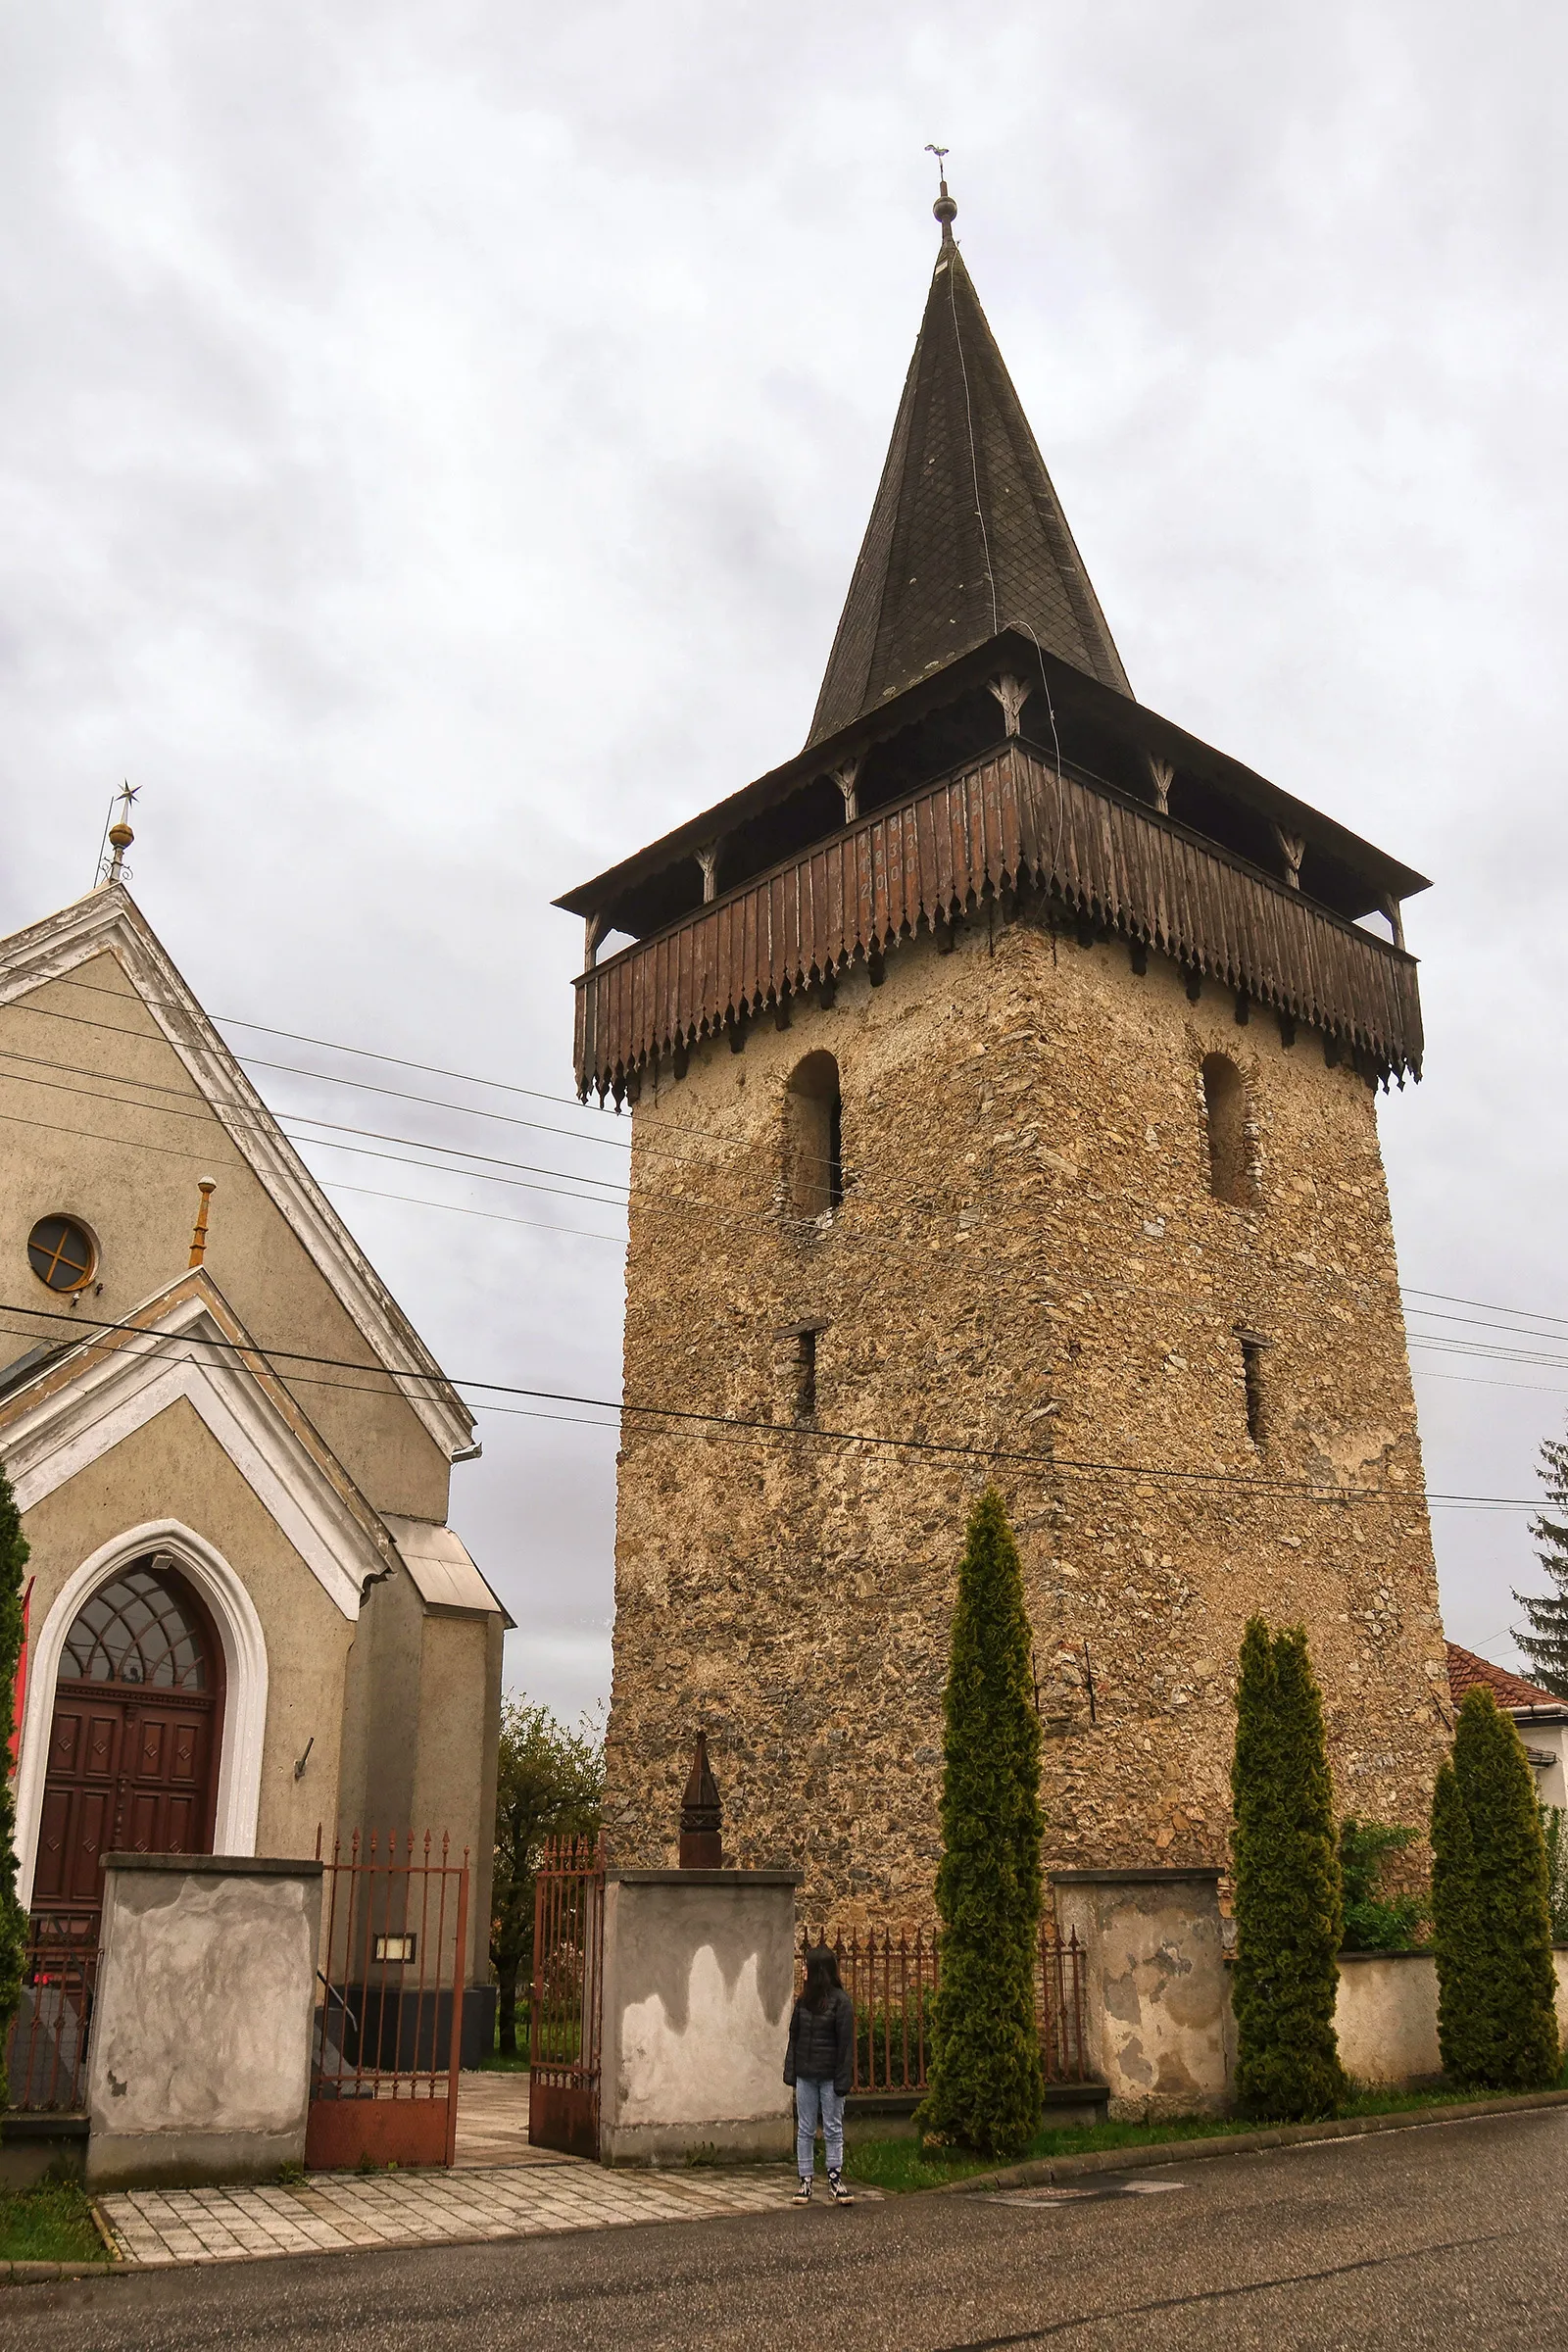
(944, 209)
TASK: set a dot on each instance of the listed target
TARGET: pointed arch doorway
(134, 1740)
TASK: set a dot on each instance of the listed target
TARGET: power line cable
(1233, 1481)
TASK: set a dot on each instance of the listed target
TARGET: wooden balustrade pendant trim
(1005, 823)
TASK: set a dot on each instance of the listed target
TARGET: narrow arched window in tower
(813, 1137)
(1225, 1116)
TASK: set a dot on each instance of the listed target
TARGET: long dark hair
(821, 1976)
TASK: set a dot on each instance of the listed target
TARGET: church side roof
(109, 921)
(1510, 1691)
(966, 536)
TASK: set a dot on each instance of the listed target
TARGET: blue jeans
(815, 2095)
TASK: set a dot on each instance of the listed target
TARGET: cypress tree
(1289, 1901)
(985, 2079)
(1546, 1645)
(12, 1919)
(1497, 1987)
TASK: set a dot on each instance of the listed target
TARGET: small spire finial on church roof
(118, 836)
(944, 209)
(207, 1185)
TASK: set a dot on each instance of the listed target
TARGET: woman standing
(821, 2063)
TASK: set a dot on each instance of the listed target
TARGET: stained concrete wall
(200, 2064)
(1386, 2017)
(1157, 1996)
(699, 1983)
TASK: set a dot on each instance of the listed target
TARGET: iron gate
(569, 1984)
(388, 2034)
(46, 2045)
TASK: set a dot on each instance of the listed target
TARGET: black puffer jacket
(822, 2042)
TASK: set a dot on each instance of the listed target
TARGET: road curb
(33, 2273)
(1045, 2170)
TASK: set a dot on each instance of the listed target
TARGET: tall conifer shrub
(1289, 1901)
(985, 2080)
(12, 1919)
(1491, 1922)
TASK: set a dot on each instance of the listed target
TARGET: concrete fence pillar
(1156, 1991)
(200, 2060)
(699, 1983)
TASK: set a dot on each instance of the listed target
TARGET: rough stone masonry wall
(1029, 1256)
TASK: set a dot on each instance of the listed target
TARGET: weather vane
(944, 209)
(118, 836)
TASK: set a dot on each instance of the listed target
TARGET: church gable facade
(231, 1453)
(1003, 1074)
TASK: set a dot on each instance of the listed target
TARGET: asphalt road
(1448, 2236)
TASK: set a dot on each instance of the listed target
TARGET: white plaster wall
(1385, 2016)
(699, 1983)
(1549, 1740)
(202, 2025)
(725, 2061)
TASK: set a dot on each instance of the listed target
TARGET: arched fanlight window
(1225, 1116)
(813, 1137)
(142, 1628)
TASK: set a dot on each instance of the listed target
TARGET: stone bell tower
(1004, 1076)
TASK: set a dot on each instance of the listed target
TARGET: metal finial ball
(944, 209)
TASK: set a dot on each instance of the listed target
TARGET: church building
(247, 1620)
(1004, 1076)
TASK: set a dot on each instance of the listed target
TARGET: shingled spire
(966, 536)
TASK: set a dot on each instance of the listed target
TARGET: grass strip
(903, 2167)
(50, 2222)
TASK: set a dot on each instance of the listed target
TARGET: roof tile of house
(1466, 1670)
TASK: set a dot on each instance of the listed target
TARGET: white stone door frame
(240, 1628)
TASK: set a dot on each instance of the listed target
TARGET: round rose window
(62, 1254)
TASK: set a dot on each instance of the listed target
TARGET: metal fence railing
(568, 1979)
(891, 1975)
(388, 2027)
(46, 2047)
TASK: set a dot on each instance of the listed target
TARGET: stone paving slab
(333, 2211)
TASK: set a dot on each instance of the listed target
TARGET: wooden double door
(133, 1744)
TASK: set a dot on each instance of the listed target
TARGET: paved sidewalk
(493, 2121)
(336, 2211)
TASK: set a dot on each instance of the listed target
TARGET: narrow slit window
(813, 1137)
(1253, 1374)
(1225, 1117)
(805, 1375)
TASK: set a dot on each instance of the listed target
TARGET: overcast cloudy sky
(433, 445)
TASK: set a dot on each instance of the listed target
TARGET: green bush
(1492, 1934)
(1555, 1843)
(1375, 1922)
(1289, 1906)
(12, 1919)
(986, 2086)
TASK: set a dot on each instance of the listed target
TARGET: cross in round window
(62, 1254)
